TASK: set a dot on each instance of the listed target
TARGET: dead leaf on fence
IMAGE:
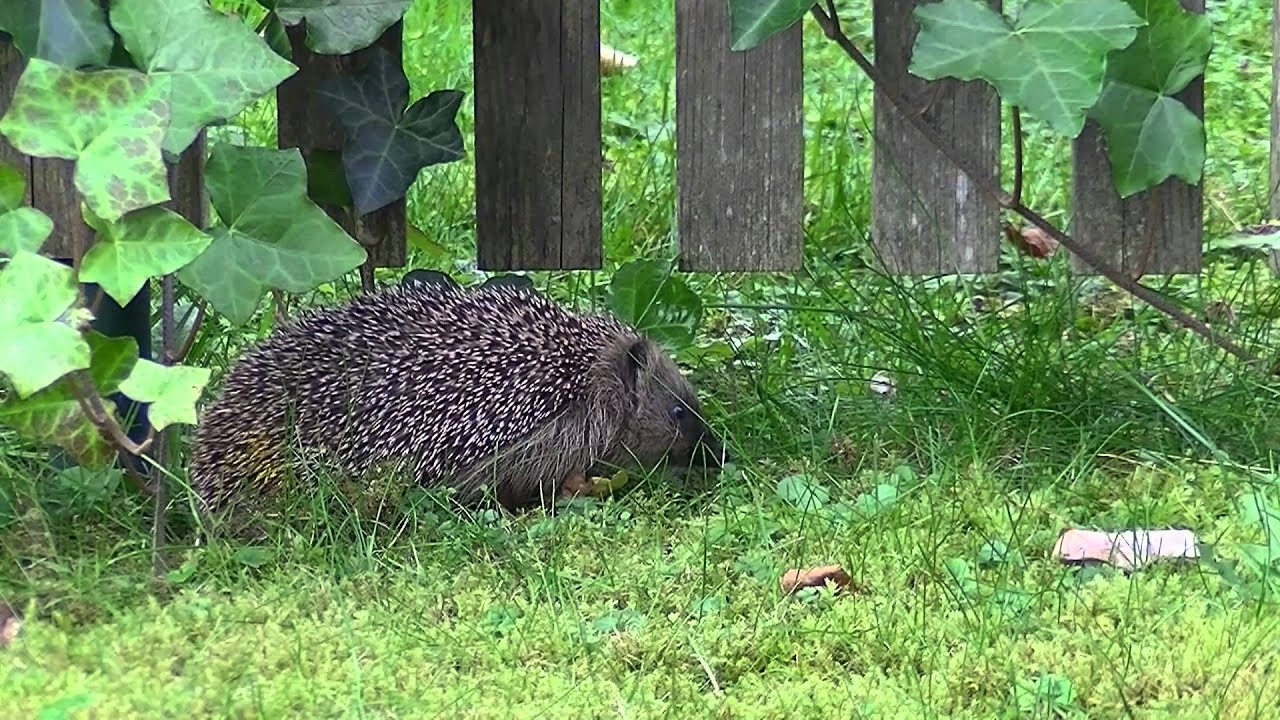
(1032, 241)
(794, 580)
(10, 623)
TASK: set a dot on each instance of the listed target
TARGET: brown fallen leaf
(793, 580)
(1031, 241)
(10, 623)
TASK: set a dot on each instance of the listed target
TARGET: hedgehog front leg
(575, 485)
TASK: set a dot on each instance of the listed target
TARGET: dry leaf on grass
(10, 623)
(793, 580)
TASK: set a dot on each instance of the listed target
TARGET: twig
(165, 446)
(178, 357)
(281, 309)
(830, 25)
(1017, 154)
(366, 276)
(105, 422)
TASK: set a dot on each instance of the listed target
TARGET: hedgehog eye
(676, 413)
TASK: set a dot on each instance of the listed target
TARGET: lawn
(1025, 403)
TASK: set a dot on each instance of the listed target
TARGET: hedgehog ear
(632, 363)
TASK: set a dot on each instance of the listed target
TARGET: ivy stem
(1017, 155)
(165, 446)
(190, 340)
(830, 24)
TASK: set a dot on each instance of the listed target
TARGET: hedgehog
(491, 389)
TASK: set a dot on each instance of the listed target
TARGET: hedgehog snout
(709, 451)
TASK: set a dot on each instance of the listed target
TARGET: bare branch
(106, 423)
(830, 24)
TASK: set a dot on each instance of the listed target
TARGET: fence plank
(1274, 181)
(304, 122)
(740, 145)
(926, 216)
(537, 134)
(1159, 231)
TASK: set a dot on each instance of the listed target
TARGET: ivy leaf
(751, 22)
(21, 228)
(149, 242)
(1150, 134)
(211, 66)
(385, 144)
(38, 348)
(70, 33)
(111, 122)
(53, 415)
(271, 236)
(802, 492)
(172, 391)
(340, 27)
(648, 296)
(1049, 60)
(13, 188)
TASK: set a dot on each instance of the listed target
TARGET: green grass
(1072, 406)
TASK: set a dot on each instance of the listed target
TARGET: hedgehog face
(667, 426)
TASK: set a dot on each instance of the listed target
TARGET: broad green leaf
(271, 235)
(647, 295)
(751, 22)
(70, 33)
(339, 27)
(326, 180)
(802, 492)
(21, 228)
(38, 348)
(110, 122)
(210, 65)
(53, 415)
(1150, 134)
(878, 500)
(13, 188)
(1049, 60)
(150, 242)
(385, 144)
(277, 39)
(171, 390)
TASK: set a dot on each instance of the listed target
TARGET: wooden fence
(739, 178)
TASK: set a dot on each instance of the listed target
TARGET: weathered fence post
(306, 123)
(1155, 232)
(740, 142)
(926, 217)
(1274, 181)
(537, 135)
